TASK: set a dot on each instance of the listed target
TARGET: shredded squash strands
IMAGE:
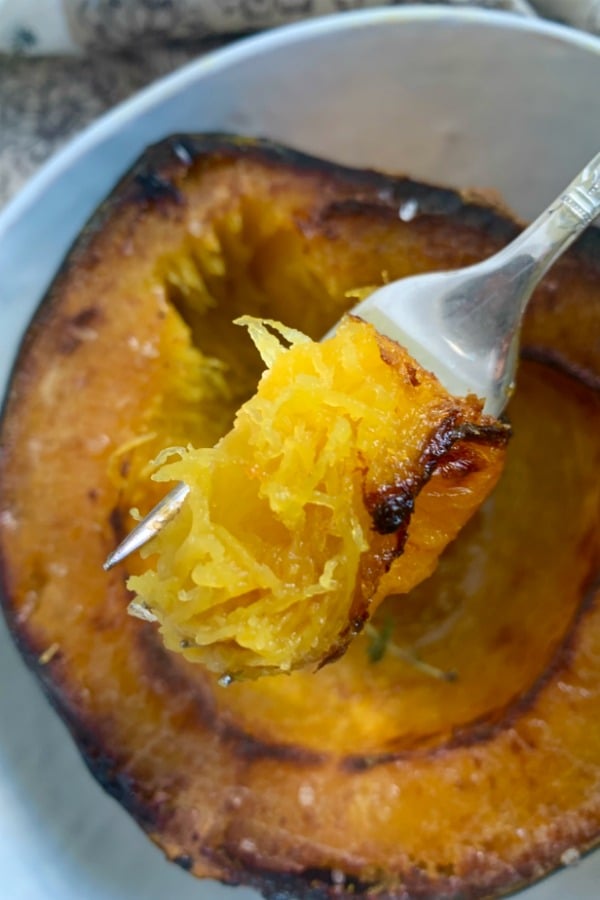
(300, 520)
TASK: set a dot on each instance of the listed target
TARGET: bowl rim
(239, 50)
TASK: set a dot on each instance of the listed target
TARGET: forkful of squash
(357, 461)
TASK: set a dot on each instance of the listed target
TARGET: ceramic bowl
(463, 98)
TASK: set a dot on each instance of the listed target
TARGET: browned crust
(102, 763)
(391, 506)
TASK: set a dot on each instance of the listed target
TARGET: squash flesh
(278, 558)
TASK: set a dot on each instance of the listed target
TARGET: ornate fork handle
(555, 229)
(582, 197)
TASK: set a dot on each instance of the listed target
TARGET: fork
(463, 325)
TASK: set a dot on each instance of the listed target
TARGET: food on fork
(341, 482)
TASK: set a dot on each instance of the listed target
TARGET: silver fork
(463, 325)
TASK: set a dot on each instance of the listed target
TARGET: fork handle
(561, 223)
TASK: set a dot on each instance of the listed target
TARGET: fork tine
(149, 527)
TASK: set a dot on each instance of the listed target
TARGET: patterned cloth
(71, 26)
(64, 62)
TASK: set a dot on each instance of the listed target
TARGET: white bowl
(465, 98)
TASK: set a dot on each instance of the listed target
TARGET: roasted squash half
(369, 776)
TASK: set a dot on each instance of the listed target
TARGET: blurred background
(64, 62)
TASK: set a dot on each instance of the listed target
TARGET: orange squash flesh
(365, 777)
(294, 518)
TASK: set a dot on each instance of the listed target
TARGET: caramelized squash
(314, 496)
(366, 777)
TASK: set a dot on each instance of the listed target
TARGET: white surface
(19, 15)
(460, 98)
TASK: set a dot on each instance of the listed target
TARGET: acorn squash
(368, 776)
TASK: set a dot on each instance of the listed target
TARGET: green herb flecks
(380, 643)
